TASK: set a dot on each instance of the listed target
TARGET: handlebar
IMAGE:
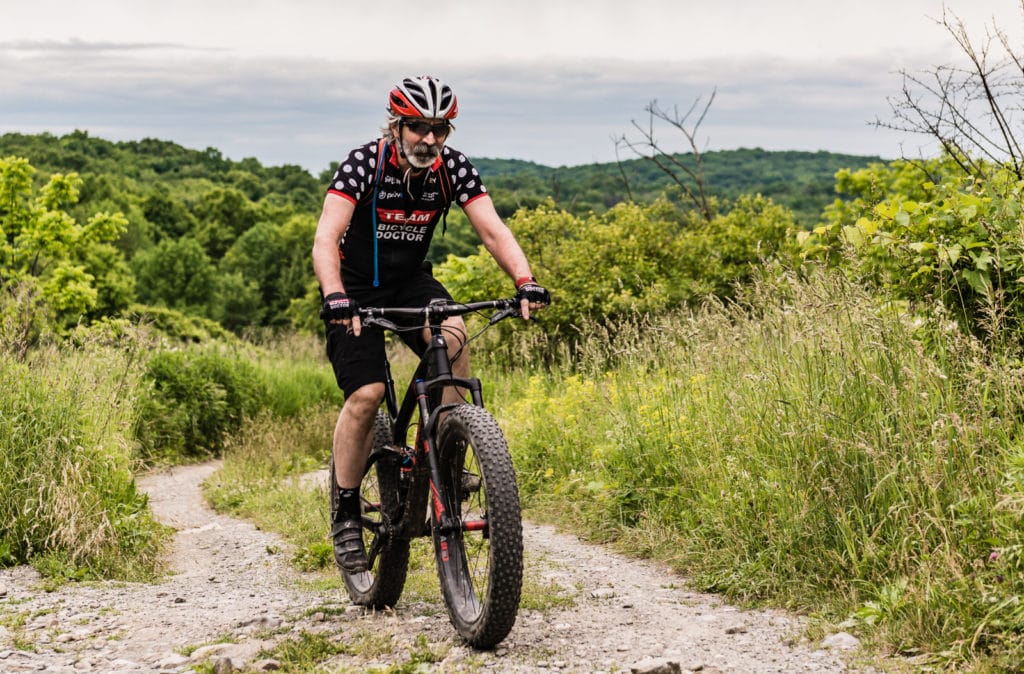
(438, 310)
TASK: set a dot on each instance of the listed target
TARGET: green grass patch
(808, 447)
(304, 652)
(262, 480)
(68, 501)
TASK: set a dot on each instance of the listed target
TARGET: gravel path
(232, 593)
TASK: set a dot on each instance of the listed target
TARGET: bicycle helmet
(423, 96)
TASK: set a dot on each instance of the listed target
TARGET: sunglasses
(421, 128)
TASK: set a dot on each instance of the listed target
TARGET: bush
(196, 398)
(925, 235)
(630, 260)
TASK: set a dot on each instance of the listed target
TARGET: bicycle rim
(480, 565)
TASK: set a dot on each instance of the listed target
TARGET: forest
(199, 231)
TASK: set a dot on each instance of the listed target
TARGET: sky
(550, 81)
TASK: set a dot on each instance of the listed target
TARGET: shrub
(633, 259)
(925, 235)
(196, 398)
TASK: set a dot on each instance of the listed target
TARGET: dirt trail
(232, 583)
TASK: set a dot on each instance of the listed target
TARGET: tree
(632, 259)
(686, 171)
(178, 274)
(968, 109)
(224, 214)
(48, 259)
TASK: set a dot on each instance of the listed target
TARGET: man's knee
(455, 333)
(364, 401)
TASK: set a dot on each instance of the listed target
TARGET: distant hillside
(802, 181)
(147, 164)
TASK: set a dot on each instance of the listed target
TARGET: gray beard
(421, 156)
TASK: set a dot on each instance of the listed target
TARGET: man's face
(423, 139)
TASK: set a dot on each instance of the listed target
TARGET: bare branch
(686, 171)
(622, 169)
(969, 110)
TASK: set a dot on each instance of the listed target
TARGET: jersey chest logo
(400, 217)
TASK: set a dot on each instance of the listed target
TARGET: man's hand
(340, 308)
(531, 295)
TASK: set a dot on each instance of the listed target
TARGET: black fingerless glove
(338, 307)
(533, 292)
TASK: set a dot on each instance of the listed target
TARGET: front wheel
(479, 562)
(380, 493)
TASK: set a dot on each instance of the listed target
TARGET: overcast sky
(551, 81)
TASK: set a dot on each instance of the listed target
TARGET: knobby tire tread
(500, 601)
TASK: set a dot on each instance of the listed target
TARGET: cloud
(310, 112)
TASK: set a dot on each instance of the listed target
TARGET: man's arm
(497, 237)
(499, 241)
(334, 221)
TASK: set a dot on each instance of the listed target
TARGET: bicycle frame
(432, 376)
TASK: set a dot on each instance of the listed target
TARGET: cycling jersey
(408, 209)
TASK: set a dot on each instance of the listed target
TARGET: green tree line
(189, 236)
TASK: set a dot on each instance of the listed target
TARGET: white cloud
(547, 80)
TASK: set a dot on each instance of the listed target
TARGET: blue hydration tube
(381, 158)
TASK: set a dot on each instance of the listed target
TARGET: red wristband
(522, 280)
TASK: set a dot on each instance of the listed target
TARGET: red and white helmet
(423, 96)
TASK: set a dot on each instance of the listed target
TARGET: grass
(68, 501)
(318, 652)
(807, 447)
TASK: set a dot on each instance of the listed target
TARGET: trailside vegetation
(810, 445)
(820, 413)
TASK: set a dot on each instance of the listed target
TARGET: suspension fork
(440, 367)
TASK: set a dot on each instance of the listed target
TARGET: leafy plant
(197, 397)
(954, 241)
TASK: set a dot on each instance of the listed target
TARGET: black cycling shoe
(349, 552)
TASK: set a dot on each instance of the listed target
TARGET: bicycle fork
(444, 505)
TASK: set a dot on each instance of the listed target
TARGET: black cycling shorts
(358, 361)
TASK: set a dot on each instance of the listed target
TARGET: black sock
(348, 505)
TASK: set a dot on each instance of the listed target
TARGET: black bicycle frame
(433, 375)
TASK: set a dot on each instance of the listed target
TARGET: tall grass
(79, 419)
(68, 501)
(806, 446)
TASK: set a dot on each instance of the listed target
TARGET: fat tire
(480, 575)
(381, 586)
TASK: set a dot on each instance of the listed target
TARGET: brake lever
(503, 314)
(380, 322)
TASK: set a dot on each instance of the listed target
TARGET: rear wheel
(382, 584)
(479, 563)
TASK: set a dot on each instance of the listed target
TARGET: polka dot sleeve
(354, 175)
(466, 182)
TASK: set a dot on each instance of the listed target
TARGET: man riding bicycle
(378, 217)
